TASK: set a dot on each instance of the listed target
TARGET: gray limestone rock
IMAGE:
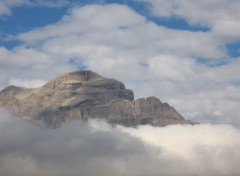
(84, 95)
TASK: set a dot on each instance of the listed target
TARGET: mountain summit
(84, 95)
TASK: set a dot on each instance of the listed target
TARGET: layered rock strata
(84, 95)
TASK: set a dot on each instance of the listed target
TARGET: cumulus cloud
(95, 148)
(83, 20)
(30, 66)
(124, 30)
(221, 17)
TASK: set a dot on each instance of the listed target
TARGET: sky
(186, 53)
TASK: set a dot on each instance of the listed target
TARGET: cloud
(167, 67)
(50, 4)
(35, 83)
(95, 148)
(204, 149)
(91, 26)
(28, 65)
(81, 20)
(6, 6)
(221, 17)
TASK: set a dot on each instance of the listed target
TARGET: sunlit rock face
(83, 95)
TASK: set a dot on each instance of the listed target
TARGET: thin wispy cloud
(6, 6)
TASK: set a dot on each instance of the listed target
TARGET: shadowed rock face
(84, 95)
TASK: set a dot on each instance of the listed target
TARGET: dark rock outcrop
(84, 95)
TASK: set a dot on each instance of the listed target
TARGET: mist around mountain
(90, 145)
(95, 148)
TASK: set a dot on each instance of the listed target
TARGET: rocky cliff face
(84, 95)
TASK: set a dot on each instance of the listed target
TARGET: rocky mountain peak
(84, 95)
(78, 76)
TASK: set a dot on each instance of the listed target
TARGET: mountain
(84, 95)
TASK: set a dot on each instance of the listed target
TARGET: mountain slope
(84, 95)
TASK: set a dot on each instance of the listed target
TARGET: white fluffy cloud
(116, 41)
(29, 65)
(95, 148)
(87, 19)
(204, 149)
(221, 16)
(124, 31)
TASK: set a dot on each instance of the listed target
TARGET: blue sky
(184, 52)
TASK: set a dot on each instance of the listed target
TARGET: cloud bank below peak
(95, 148)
